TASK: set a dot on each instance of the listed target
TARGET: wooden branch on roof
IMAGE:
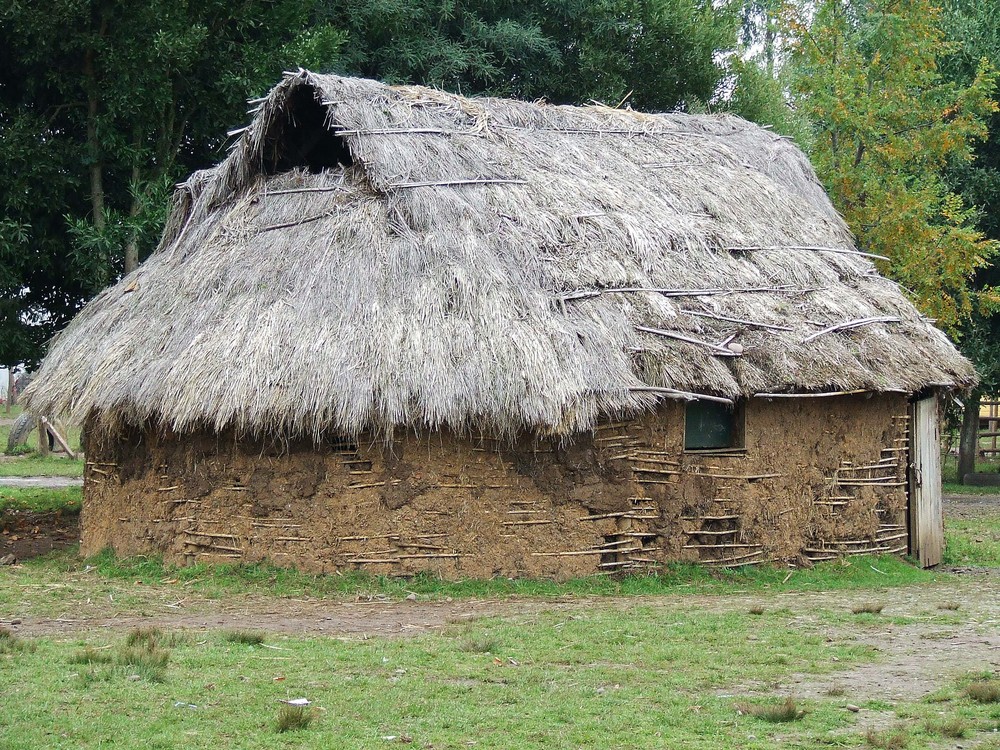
(815, 248)
(449, 183)
(332, 189)
(588, 293)
(717, 349)
(288, 224)
(684, 395)
(754, 323)
(402, 131)
(827, 394)
(610, 131)
(852, 324)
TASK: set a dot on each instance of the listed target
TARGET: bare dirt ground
(25, 534)
(918, 654)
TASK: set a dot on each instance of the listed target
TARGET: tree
(103, 106)
(663, 52)
(886, 127)
(974, 28)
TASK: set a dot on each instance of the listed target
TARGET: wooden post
(43, 438)
(926, 521)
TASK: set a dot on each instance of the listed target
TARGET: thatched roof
(487, 263)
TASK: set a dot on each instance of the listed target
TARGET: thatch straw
(453, 274)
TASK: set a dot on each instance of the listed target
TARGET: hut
(401, 330)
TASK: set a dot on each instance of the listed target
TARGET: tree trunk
(93, 144)
(10, 388)
(968, 445)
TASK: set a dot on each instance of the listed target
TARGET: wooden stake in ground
(63, 442)
(43, 438)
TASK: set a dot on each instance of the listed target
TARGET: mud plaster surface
(813, 481)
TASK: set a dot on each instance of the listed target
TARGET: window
(712, 426)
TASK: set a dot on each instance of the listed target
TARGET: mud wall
(817, 478)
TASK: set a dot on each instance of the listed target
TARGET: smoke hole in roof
(304, 140)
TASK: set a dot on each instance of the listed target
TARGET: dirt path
(43, 482)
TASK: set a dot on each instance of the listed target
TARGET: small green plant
(836, 691)
(292, 718)
(892, 739)
(20, 450)
(90, 655)
(956, 728)
(247, 637)
(984, 691)
(867, 608)
(787, 710)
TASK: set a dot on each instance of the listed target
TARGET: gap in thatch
(304, 140)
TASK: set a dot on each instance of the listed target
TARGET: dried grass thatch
(487, 263)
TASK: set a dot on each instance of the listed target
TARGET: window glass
(710, 425)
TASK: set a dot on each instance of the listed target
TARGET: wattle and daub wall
(817, 478)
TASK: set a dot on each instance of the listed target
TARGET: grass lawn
(67, 500)
(29, 463)
(973, 541)
(576, 670)
(609, 676)
(949, 477)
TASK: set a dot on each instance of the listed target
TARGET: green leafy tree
(974, 28)
(662, 52)
(102, 106)
(886, 127)
(105, 104)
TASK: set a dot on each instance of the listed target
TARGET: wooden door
(926, 522)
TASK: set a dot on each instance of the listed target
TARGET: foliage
(974, 27)
(887, 124)
(104, 105)
(566, 51)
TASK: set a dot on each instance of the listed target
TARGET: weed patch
(293, 718)
(483, 645)
(147, 637)
(867, 608)
(90, 655)
(984, 691)
(246, 637)
(11, 643)
(787, 710)
(891, 739)
(955, 728)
